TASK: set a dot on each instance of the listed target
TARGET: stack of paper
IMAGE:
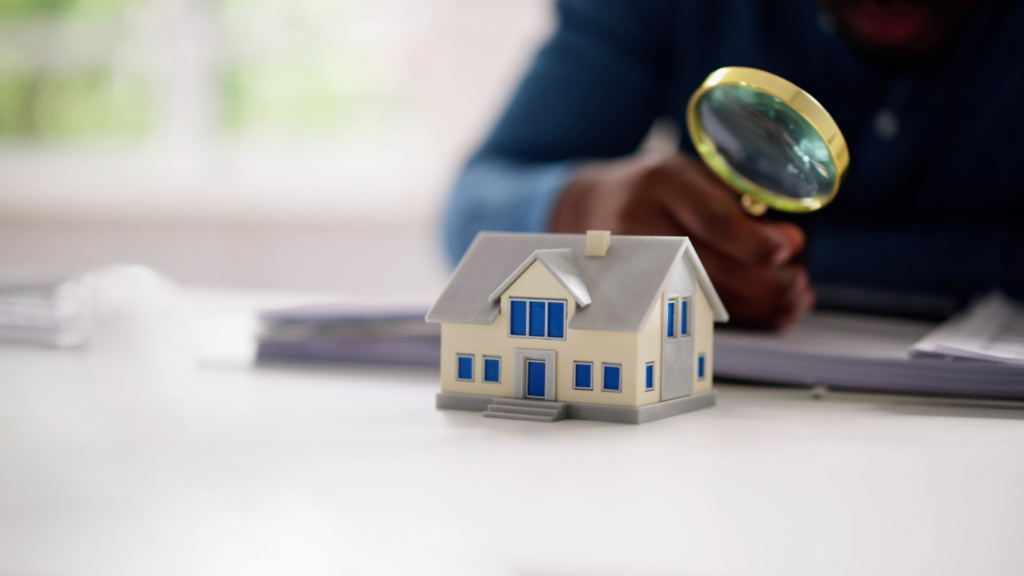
(992, 330)
(363, 333)
(57, 314)
(861, 352)
(828, 348)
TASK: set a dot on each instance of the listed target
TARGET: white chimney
(598, 242)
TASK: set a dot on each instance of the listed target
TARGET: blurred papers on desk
(991, 329)
(57, 314)
(355, 333)
(834, 349)
(854, 351)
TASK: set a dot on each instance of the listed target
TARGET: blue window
(650, 376)
(670, 318)
(556, 319)
(583, 376)
(700, 366)
(612, 378)
(684, 320)
(537, 318)
(492, 369)
(465, 367)
(518, 322)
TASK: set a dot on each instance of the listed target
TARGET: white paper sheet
(991, 329)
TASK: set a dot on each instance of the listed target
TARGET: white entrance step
(532, 410)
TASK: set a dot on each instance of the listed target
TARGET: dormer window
(536, 318)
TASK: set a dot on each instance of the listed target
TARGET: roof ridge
(616, 286)
(561, 263)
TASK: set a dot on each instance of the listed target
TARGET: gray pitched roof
(622, 285)
(562, 265)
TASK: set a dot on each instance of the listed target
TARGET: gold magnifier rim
(796, 98)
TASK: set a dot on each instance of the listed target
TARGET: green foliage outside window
(279, 68)
(301, 97)
(72, 106)
(292, 75)
(66, 103)
(14, 9)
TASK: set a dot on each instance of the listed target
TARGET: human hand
(750, 261)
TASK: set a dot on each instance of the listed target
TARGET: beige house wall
(650, 350)
(704, 333)
(630, 349)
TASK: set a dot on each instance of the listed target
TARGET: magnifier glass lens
(766, 141)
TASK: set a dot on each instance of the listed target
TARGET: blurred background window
(77, 70)
(323, 68)
(74, 69)
(267, 111)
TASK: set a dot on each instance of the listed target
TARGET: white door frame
(521, 356)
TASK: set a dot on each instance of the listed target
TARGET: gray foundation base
(598, 412)
(471, 402)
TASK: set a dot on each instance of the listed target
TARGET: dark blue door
(535, 374)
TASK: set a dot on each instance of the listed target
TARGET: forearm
(500, 194)
(592, 92)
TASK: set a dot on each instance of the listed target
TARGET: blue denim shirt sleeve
(499, 194)
(592, 92)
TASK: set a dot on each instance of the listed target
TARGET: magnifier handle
(753, 206)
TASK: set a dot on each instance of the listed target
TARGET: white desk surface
(129, 457)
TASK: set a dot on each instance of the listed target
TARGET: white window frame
(689, 315)
(574, 364)
(621, 378)
(653, 376)
(483, 372)
(704, 356)
(674, 299)
(472, 367)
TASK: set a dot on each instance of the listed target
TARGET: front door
(536, 373)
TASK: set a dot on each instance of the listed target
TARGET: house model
(596, 327)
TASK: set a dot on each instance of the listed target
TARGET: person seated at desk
(928, 93)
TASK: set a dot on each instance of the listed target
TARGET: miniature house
(596, 327)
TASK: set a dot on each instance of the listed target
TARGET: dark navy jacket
(933, 202)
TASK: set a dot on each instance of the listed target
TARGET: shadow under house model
(597, 327)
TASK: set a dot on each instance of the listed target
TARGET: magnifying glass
(768, 139)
